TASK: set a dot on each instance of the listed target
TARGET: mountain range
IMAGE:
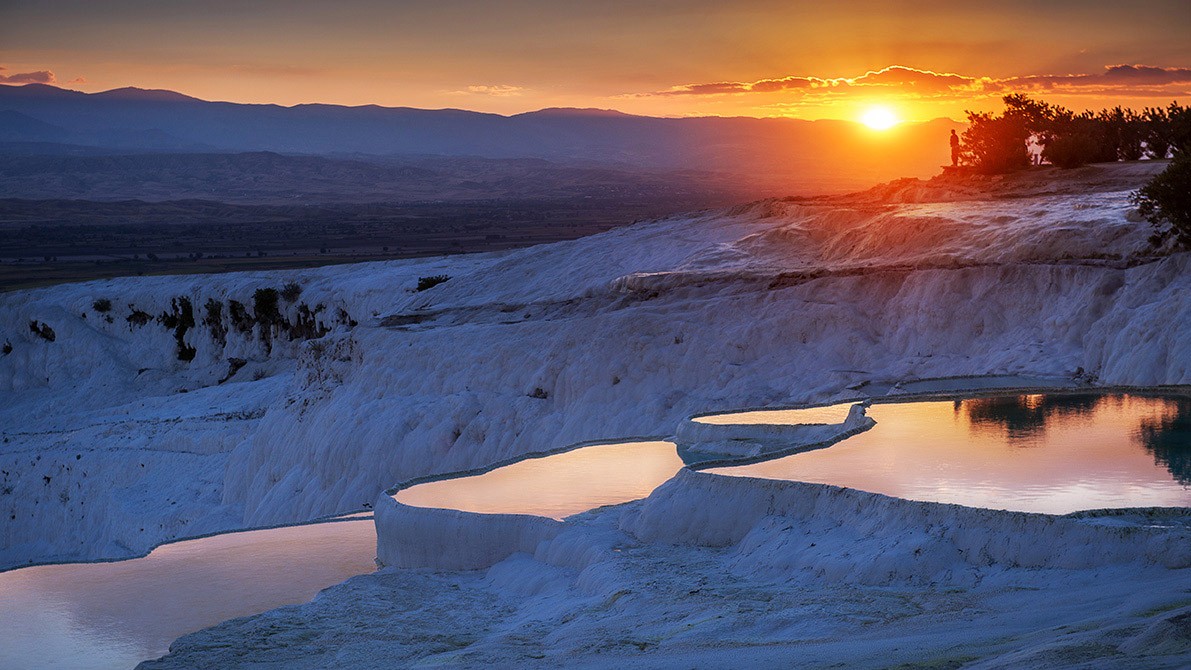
(816, 155)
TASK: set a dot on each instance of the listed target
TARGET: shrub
(291, 291)
(43, 331)
(103, 305)
(180, 320)
(214, 320)
(264, 306)
(138, 317)
(240, 317)
(431, 281)
(1166, 203)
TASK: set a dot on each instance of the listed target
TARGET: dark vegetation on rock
(291, 291)
(180, 319)
(138, 317)
(431, 281)
(241, 319)
(1166, 203)
(213, 320)
(42, 330)
(265, 313)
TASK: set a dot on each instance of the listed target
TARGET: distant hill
(17, 127)
(796, 155)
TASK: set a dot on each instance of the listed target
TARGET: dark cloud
(1127, 77)
(39, 77)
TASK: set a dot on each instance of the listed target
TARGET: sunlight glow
(879, 118)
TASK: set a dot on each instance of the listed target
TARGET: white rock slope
(117, 432)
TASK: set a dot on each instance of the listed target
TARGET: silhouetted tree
(1157, 132)
(1178, 120)
(995, 144)
(1166, 203)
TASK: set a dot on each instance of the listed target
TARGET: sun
(879, 118)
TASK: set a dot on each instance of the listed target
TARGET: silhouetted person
(954, 149)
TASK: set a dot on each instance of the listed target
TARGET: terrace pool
(1052, 453)
(557, 485)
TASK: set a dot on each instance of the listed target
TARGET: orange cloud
(894, 76)
(914, 82)
(496, 90)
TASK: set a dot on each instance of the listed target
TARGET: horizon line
(182, 97)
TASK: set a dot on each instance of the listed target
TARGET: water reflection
(1053, 454)
(1022, 417)
(556, 486)
(1168, 439)
(114, 615)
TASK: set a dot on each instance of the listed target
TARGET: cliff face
(156, 415)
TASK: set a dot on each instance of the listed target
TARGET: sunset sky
(921, 58)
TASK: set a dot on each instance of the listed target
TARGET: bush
(103, 305)
(264, 306)
(42, 330)
(291, 291)
(431, 281)
(138, 317)
(1166, 203)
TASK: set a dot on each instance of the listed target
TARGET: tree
(1167, 129)
(995, 144)
(1157, 135)
(1076, 139)
(1166, 202)
(1122, 133)
(1179, 122)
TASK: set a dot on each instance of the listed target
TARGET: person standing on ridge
(954, 149)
